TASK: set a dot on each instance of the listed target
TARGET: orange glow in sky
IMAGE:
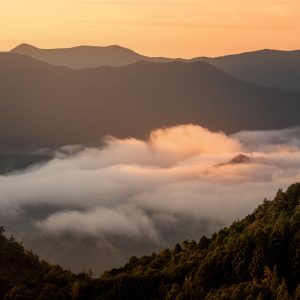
(174, 28)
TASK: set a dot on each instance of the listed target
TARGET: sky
(173, 28)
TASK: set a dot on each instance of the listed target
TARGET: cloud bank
(180, 183)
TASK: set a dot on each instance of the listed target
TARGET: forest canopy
(257, 257)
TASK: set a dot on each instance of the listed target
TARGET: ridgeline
(255, 258)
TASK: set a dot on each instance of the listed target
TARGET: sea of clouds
(92, 208)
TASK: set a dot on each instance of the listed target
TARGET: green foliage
(255, 258)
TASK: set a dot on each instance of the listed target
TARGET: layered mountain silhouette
(43, 105)
(273, 68)
(85, 56)
(270, 68)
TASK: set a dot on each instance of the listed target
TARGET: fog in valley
(93, 208)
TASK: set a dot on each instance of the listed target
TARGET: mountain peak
(23, 47)
(80, 57)
(238, 159)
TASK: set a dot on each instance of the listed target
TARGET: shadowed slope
(44, 105)
(273, 68)
(270, 68)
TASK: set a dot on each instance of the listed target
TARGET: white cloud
(155, 191)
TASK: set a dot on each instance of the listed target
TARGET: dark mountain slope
(85, 56)
(272, 68)
(22, 274)
(255, 258)
(259, 255)
(44, 105)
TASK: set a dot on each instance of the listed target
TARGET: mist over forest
(126, 197)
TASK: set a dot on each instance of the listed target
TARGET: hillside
(272, 68)
(22, 273)
(46, 106)
(85, 56)
(17, 161)
(255, 258)
(269, 68)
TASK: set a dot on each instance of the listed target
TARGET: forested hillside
(255, 258)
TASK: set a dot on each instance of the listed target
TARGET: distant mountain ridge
(47, 106)
(269, 68)
(81, 57)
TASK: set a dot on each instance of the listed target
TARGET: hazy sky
(174, 28)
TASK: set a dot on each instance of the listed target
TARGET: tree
(260, 296)
(282, 291)
(297, 293)
(275, 280)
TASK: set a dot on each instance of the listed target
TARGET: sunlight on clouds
(150, 176)
(180, 183)
(189, 140)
